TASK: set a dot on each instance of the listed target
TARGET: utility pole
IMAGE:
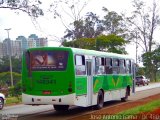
(9, 52)
(136, 47)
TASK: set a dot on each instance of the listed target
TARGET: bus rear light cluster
(46, 92)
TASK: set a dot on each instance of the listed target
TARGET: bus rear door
(89, 82)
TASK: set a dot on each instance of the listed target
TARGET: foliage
(109, 43)
(13, 100)
(114, 23)
(16, 90)
(4, 64)
(140, 71)
(92, 26)
(143, 23)
(85, 43)
(5, 79)
(143, 108)
(151, 61)
(32, 8)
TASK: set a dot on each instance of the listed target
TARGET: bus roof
(85, 52)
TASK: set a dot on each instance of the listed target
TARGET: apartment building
(1, 50)
(16, 47)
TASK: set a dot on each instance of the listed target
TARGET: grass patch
(144, 108)
(136, 110)
(13, 100)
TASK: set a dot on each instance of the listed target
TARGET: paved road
(47, 111)
(150, 86)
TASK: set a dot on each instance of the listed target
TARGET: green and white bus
(63, 76)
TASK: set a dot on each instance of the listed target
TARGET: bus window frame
(122, 65)
(83, 64)
(128, 66)
(100, 65)
(116, 66)
(108, 67)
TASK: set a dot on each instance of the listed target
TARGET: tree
(140, 71)
(151, 61)
(32, 8)
(90, 27)
(4, 64)
(114, 23)
(16, 90)
(85, 43)
(144, 21)
(5, 79)
(109, 43)
(69, 10)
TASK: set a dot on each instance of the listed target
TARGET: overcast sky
(21, 24)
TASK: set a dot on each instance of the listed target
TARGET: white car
(2, 101)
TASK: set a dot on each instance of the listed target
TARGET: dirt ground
(97, 115)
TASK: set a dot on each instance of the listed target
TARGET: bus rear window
(48, 60)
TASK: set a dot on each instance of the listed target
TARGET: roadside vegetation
(13, 100)
(135, 113)
(144, 108)
(12, 93)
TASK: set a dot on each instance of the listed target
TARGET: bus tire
(1, 103)
(100, 100)
(124, 99)
(61, 107)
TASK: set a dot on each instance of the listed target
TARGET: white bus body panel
(108, 96)
(54, 100)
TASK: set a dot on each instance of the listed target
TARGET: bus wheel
(1, 103)
(61, 107)
(100, 100)
(124, 99)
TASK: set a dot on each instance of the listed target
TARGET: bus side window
(80, 65)
(122, 66)
(108, 66)
(116, 66)
(128, 66)
(99, 65)
(102, 70)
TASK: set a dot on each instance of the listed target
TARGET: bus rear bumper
(46, 100)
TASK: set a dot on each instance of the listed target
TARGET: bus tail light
(46, 92)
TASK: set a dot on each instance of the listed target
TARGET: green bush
(16, 90)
